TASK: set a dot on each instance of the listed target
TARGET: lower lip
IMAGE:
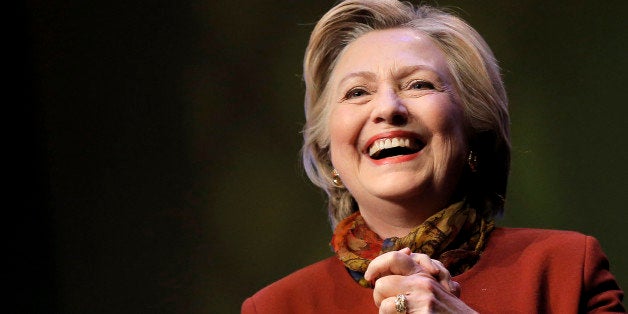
(396, 159)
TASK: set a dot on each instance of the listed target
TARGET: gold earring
(335, 178)
(472, 161)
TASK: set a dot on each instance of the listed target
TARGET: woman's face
(396, 131)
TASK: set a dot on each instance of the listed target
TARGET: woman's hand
(425, 282)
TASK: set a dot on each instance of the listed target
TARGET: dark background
(154, 144)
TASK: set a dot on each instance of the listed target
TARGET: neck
(389, 219)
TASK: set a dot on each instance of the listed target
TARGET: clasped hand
(425, 282)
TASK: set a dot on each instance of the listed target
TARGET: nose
(390, 109)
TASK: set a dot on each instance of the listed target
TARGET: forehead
(383, 51)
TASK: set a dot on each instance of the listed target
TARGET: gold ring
(401, 303)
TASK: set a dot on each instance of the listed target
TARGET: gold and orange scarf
(456, 236)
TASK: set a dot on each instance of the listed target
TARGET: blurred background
(155, 144)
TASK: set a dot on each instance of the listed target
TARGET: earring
(472, 161)
(335, 178)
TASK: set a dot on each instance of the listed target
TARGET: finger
(455, 290)
(391, 263)
(444, 278)
(437, 270)
(426, 263)
(389, 306)
(422, 292)
(392, 285)
(387, 287)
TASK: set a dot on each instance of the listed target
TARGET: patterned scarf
(456, 236)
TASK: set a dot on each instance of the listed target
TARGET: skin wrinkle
(374, 81)
(474, 84)
(402, 73)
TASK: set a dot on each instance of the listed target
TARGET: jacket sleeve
(248, 307)
(601, 293)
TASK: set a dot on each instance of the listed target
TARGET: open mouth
(392, 147)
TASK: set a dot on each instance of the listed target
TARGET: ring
(401, 303)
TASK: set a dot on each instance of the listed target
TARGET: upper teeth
(386, 143)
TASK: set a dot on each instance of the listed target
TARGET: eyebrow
(361, 74)
(402, 72)
(406, 71)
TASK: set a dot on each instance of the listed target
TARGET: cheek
(446, 119)
(344, 127)
(446, 122)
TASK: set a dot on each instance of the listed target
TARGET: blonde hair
(476, 80)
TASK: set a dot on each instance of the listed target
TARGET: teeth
(389, 143)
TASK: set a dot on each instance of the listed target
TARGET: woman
(407, 132)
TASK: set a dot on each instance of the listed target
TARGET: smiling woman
(388, 92)
(407, 132)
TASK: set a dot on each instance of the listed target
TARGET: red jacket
(520, 271)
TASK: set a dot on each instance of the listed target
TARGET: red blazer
(520, 271)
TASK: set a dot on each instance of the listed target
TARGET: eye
(421, 85)
(355, 92)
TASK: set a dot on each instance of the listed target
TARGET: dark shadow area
(156, 157)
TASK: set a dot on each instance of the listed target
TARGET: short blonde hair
(476, 80)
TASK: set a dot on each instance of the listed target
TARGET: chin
(395, 188)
